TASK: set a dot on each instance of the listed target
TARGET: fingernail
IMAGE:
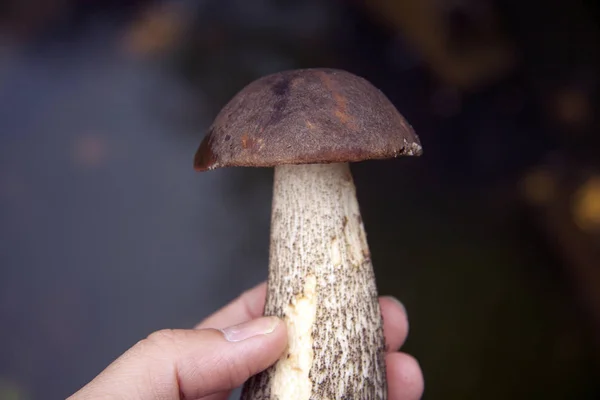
(246, 330)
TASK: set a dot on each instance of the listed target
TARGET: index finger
(247, 306)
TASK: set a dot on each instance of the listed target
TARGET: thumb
(190, 364)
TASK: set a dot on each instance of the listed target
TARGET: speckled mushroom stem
(321, 282)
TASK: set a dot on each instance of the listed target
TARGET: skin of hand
(224, 350)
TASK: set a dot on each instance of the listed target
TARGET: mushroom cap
(306, 116)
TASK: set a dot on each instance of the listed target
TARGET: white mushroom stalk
(321, 282)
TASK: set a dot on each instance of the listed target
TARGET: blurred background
(491, 239)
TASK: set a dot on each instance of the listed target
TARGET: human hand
(224, 350)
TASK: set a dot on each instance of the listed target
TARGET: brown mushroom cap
(306, 116)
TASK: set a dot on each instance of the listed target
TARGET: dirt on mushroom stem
(321, 282)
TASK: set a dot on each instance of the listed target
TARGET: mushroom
(309, 125)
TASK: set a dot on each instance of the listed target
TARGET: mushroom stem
(321, 282)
